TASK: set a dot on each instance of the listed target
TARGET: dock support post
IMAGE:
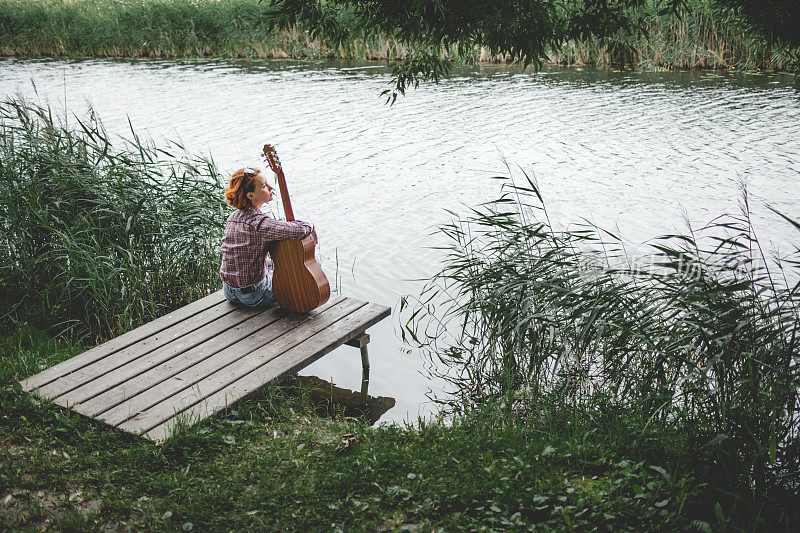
(361, 342)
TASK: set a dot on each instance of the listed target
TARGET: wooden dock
(198, 360)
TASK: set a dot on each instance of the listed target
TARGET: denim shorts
(261, 296)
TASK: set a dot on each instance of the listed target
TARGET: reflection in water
(331, 400)
(627, 150)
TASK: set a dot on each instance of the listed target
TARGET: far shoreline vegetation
(233, 29)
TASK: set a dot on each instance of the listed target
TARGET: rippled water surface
(635, 151)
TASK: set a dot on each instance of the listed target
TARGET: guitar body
(298, 282)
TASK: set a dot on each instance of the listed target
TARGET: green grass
(232, 29)
(270, 463)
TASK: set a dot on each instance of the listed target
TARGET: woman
(246, 270)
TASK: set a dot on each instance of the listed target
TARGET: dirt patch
(40, 509)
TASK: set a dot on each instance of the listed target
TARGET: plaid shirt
(248, 233)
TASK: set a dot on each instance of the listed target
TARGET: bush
(95, 238)
(702, 335)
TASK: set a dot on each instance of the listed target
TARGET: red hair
(241, 183)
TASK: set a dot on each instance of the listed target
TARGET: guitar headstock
(271, 156)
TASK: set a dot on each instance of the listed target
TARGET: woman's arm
(278, 230)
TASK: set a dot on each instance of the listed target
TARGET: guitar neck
(287, 204)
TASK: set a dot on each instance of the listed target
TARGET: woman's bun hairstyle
(242, 182)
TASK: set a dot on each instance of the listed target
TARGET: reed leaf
(699, 332)
(100, 234)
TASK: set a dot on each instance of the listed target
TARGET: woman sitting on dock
(246, 270)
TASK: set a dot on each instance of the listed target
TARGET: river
(629, 151)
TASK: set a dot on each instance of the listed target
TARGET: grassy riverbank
(270, 463)
(230, 29)
(691, 425)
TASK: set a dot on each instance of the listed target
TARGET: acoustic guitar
(299, 284)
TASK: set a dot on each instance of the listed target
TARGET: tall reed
(231, 29)
(702, 332)
(701, 37)
(228, 29)
(97, 236)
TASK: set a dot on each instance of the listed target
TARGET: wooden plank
(151, 328)
(149, 378)
(166, 409)
(216, 380)
(289, 362)
(360, 341)
(108, 363)
(161, 392)
(124, 368)
(118, 404)
(292, 360)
